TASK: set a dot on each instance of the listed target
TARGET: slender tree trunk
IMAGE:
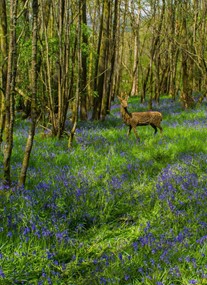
(84, 56)
(101, 65)
(156, 52)
(186, 96)
(31, 134)
(107, 50)
(113, 80)
(199, 44)
(144, 89)
(173, 51)
(3, 64)
(61, 74)
(10, 89)
(63, 65)
(75, 103)
(45, 12)
(121, 49)
(135, 22)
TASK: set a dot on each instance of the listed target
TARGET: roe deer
(134, 119)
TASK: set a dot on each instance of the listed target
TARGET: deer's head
(123, 100)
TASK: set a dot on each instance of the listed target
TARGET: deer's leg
(154, 127)
(135, 132)
(129, 131)
(160, 129)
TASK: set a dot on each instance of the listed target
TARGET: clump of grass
(110, 210)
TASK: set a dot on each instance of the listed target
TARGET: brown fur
(152, 118)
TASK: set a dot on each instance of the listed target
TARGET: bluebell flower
(9, 234)
(141, 270)
(103, 280)
(2, 273)
(126, 277)
(135, 246)
(50, 255)
(26, 230)
(192, 281)
(120, 256)
(78, 192)
(201, 240)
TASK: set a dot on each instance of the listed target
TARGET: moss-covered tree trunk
(173, 51)
(135, 23)
(3, 64)
(101, 71)
(9, 94)
(63, 64)
(31, 134)
(113, 84)
(186, 90)
(84, 58)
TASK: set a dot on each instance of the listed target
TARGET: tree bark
(3, 64)
(84, 56)
(102, 60)
(113, 84)
(186, 96)
(63, 65)
(135, 23)
(173, 51)
(9, 96)
(31, 134)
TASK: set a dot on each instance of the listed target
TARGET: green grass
(110, 210)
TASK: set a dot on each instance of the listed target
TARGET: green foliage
(86, 30)
(26, 50)
(53, 46)
(110, 210)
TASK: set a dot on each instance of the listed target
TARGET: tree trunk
(63, 65)
(101, 65)
(9, 96)
(135, 23)
(186, 96)
(173, 51)
(3, 64)
(115, 62)
(31, 134)
(84, 56)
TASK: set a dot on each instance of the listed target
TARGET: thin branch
(24, 8)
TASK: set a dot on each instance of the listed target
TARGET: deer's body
(134, 119)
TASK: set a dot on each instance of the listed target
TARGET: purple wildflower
(135, 245)
(2, 273)
(192, 281)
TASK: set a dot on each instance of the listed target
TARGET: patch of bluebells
(181, 189)
(181, 193)
(193, 281)
(197, 123)
(54, 213)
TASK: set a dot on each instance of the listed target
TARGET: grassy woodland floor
(110, 210)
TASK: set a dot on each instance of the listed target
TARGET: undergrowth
(110, 210)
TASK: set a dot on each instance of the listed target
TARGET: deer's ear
(119, 98)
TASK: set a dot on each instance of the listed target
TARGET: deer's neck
(126, 115)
